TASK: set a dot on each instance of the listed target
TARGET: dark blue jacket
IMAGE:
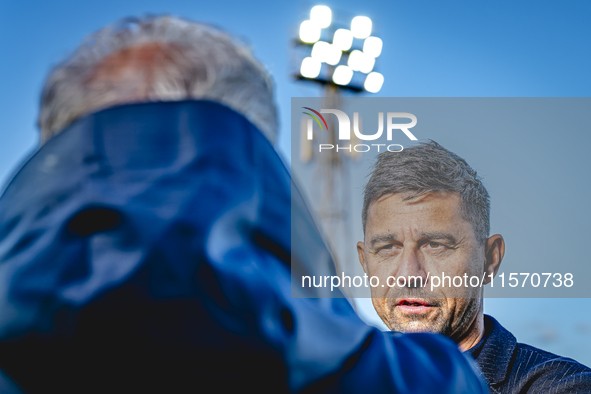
(512, 367)
(147, 248)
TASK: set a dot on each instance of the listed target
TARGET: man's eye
(386, 247)
(434, 245)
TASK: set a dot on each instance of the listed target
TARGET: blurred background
(430, 49)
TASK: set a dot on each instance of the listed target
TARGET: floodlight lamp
(372, 46)
(373, 82)
(319, 51)
(309, 32)
(367, 64)
(355, 60)
(326, 53)
(310, 68)
(321, 15)
(359, 61)
(333, 55)
(342, 75)
(361, 27)
(343, 39)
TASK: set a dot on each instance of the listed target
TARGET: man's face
(424, 236)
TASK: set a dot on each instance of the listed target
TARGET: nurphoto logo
(344, 130)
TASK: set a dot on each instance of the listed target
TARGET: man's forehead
(413, 198)
(434, 206)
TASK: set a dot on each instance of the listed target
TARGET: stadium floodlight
(361, 27)
(350, 52)
(310, 67)
(359, 61)
(309, 32)
(321, 15)
(372, 46)
(343, 39)
(373, 82)
(342, 75)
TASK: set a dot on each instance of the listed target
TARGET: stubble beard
(440, 324)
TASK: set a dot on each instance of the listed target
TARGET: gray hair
(197, 61)
(425, 168)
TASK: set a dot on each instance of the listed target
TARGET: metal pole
(334, 183)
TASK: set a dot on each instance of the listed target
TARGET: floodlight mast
(340, 58)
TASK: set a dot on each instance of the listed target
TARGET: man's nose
(411, 265)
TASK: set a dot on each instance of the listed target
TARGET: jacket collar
(497, 354)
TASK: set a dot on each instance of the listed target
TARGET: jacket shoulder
(542, 371)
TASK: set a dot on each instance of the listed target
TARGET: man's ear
(360, 249)
(495, 250)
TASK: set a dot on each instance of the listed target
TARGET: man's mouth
(411, 305)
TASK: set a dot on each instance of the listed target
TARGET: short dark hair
(425, 168)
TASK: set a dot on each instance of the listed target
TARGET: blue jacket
(147, 248)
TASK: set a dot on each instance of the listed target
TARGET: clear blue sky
(432, 48)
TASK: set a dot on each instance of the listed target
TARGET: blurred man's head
(425, 214)
(157, 58)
